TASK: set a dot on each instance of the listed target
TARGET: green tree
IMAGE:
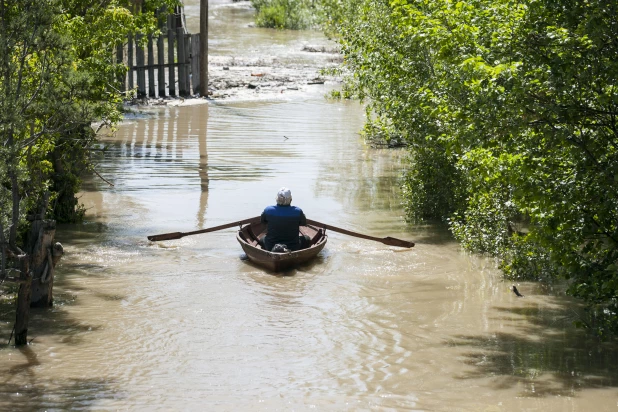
(58, 78)
(509, 110)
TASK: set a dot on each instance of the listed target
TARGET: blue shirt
(283, 224)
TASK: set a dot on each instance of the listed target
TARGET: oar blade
(391, 241)
(165, 236)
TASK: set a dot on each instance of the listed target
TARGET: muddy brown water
(188, 325)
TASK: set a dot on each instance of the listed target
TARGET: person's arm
(303, 219)
(263, 218)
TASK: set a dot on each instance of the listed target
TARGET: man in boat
(283, 221)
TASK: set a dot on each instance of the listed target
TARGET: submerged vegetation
(510, 114)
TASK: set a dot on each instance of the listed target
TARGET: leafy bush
(430, 184)
(284, 14)
(59, 76)
(510, 112)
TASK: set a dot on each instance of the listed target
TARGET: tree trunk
(23, 302)
(44, 256)
(16, 198)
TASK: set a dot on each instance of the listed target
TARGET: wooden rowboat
(248, 236)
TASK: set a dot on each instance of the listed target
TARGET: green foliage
(58, 77)
(71, 159)
(284, 14)
(510, 113)
(431, 184)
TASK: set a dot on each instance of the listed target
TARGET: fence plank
(151, 77)
(161, 68)
(195, 62)
(180, 41)
(183, 52)
(141, 72)
(171, 59)
(122, 78)
(188, 63)
(130, 60)
(178, 12)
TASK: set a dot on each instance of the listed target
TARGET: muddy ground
(232, 78)
(267, 78)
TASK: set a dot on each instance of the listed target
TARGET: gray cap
(284, 197)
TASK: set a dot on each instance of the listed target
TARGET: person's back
(283, 222)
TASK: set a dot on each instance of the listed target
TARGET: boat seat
(309, 232)
(253, 239)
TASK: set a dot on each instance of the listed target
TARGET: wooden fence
(176, 71)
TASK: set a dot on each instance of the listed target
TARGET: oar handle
(391, 241)
(178, 235)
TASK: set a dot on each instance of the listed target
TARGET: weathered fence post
(170, 57)
(187, 62)
(161, 68)
(44, 255)
(178, 17)
(182, 83)
(22, 315)
(122, 78)
(141, 72)
(130, 60)
(203, 54)
(151, 77)
(195, 63)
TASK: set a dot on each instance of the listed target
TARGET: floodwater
(188, 325)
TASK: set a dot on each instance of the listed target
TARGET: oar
(391, 241)
(178, 235)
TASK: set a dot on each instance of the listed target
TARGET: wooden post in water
(170, 57)
(22, 316)
(180, 41)
(203, 55)
(161, 68)
(151, 77)
(141, 72)
(44, 255)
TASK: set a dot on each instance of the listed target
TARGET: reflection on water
(139, 325)
(363, 327)
(522, 358)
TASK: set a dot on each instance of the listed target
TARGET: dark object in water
(515, 291)
(248, 237)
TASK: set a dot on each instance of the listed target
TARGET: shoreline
(232, 78)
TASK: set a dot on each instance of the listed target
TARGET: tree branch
(102, 178)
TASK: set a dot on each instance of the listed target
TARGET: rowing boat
(249, 234)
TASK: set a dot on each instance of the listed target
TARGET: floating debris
(515, 291)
